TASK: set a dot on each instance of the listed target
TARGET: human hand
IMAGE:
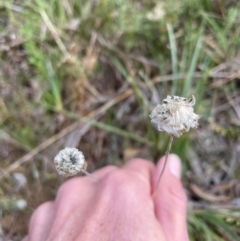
(118, 207)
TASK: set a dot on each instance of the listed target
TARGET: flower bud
(70, 161)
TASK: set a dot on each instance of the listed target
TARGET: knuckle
(44, 207)
(142, 162)
(115, 179)
(138, 161)
(68, 187)
(64, 188)
(105, 170)
(118, 181)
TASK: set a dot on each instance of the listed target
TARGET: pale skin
(119, 207)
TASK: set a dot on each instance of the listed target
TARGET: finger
(170, 199)
(77, 186)
(141, 168)
(83, 184)
(104, 171)
(79, 190)
(40, 222)
(75, 197)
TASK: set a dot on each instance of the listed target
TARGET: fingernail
(175, 166)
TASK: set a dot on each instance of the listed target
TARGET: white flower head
(175, 115)
(70, 161)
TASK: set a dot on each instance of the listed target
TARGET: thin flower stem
(90, 175)
(165, 162)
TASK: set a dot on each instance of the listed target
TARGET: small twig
(165, 161)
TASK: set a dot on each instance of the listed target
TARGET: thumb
(170, 199)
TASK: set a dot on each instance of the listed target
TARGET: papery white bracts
(175, 115)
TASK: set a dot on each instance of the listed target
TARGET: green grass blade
(218, 32)
(174, 58)
(232, 16)
(55, 87)
(119, 67)
(201, 85)
(220, 224)
(196, 225)
(188, 82)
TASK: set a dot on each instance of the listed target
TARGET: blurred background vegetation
(87, 73)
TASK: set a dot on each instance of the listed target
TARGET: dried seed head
(69, 162)
(175, 115)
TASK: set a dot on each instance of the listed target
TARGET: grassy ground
(87, 74)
